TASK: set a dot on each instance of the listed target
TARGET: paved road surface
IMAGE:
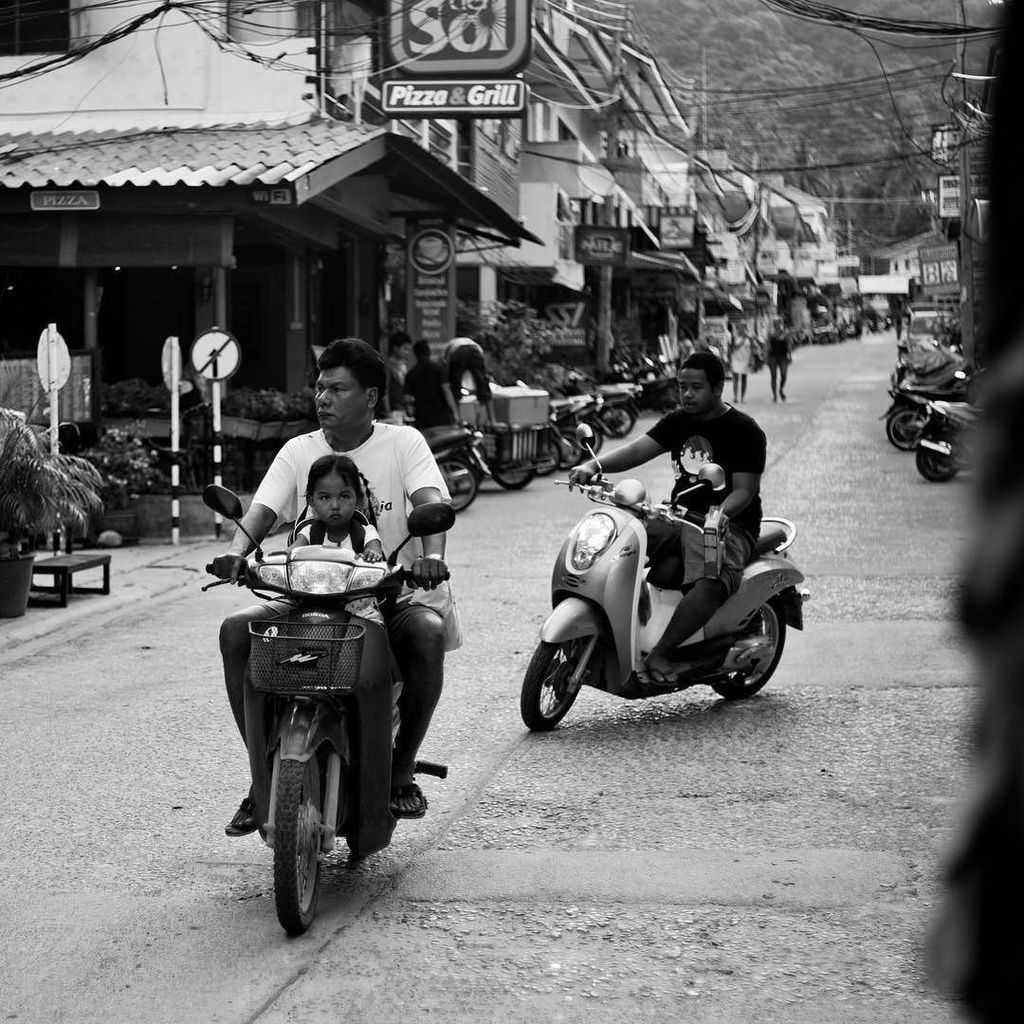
(673, 859)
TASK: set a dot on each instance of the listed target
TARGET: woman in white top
(741, 353)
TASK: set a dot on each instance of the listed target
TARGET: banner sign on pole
(459, 37)
(949, 195)
(677, 230)
(602, 246)
(430, 285)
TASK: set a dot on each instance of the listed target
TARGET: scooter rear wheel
(545, 698)
(297, 819)
(935, 466)
(617, 420)
(769, 622)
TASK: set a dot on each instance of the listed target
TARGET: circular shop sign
(431, 251)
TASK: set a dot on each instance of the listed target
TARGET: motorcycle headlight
(318, 577)
(273, 575)
(365, 576)
(594, 535)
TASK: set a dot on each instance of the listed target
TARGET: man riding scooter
(400, 473)
(703, 429)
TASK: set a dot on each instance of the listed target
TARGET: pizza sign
(459, 37)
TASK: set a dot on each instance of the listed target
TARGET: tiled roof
(224, 155)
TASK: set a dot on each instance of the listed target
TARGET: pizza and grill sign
(457, 58)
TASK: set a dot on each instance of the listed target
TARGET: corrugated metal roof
(231, 154)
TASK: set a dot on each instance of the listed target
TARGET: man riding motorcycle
(703, 429)
(400, 473)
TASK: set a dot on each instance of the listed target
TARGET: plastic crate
(298, 657)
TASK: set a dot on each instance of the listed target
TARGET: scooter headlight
(594, 535)
(366, 576)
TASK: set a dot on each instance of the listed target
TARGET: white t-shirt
(396, 462)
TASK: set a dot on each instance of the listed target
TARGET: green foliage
(127, 467)
(516, 340)
(40, 491)
(268, 404)
(134, 398)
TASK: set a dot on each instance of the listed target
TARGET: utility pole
(605, 339)
(705, 142)
(967, 305)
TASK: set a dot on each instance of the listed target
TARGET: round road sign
(62, 370)
(216, 354)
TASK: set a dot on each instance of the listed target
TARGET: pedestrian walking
(399, 354)
(427, 399)
(778, 357)
(740, 356)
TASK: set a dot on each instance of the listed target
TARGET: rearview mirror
(435, 517)
(713, 474)
(223, 501)
(584, 433)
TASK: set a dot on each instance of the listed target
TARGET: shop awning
(279, 166)
(664, 261)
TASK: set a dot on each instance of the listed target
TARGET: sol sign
(459, 37)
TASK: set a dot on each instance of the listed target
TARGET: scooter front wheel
(297, 821)
(545, 697)
(903, 428)
(768, 624)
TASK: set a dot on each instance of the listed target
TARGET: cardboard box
(519, 405)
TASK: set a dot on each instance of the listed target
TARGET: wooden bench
(62, 568)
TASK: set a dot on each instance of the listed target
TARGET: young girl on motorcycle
(334, 492)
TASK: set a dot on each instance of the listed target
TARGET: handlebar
(600, 491)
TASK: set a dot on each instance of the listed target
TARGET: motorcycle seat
(438, 437)
(960, 412)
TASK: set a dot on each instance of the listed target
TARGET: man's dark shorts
(469, 358)
(666, 541)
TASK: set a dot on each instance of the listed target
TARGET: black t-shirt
(733, 440)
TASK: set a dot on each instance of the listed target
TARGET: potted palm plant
(39, 491)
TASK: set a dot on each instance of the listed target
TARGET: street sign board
(64, 199)
(677, 230)
(601, 246)
(459, 37)
(172, 350)
(949, 195)
(468, 98)
(62, 362)
(430, 283)
(940, 268)
(216, 354)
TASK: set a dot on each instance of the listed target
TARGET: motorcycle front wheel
(768, 623)
(460, 476)
(297, 821)
(545, 698)
(617, 420)
(934, 466)
(903, 428)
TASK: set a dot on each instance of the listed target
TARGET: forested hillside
(784, 92)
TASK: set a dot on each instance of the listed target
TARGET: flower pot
(270, 431)
(295, 428)
(15, 583)
(125, 521)
(239, 426)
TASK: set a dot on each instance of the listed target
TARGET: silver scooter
(610, 608)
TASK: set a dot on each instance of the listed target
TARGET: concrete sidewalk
(139, 573)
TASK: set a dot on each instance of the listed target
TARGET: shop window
(34, 26)
(464, 148)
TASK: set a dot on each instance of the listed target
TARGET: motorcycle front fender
(943, 447)
(304, 726)
(571, 619)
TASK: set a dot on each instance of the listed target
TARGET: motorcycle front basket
(305, 658)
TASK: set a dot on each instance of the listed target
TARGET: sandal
(409, 792)
(655, 676)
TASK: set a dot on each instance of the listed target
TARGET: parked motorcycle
(946, 444)
(320, 710)
(566, 414)
(618, 414)
(656, 380)
(609, 609)
(459, 455)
